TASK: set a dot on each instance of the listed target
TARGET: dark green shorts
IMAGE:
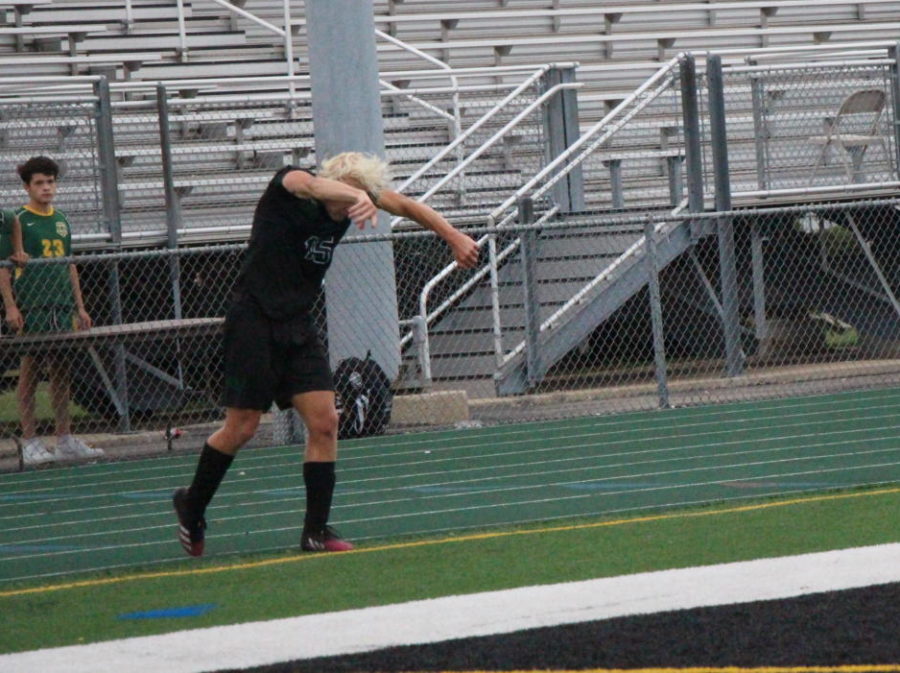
(47, 319)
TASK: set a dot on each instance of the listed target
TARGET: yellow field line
(856, 668)
(475, 537)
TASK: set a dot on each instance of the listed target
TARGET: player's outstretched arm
(307, 186)
(465, 250)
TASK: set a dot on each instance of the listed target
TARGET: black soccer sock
(319, 479)
(211, 469)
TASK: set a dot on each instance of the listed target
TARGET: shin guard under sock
(211, 469)
(320, 480)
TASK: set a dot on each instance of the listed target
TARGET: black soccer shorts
(267, 360)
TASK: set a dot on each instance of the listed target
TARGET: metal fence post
(118, 350)
(693, 157)
(894, 52)
(173, 209)
(561, 130)
(173, 206)
(109, 185)
(173, 203)
(420, 339)
(109, 178)
(676, 189)
(761, 130)
(616, 186)
(656, 320)
(724, 225)
(528, 252)
(760, 321)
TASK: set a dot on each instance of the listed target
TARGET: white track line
(470, 439)
(353, 631)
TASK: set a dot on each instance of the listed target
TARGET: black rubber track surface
(853, 627)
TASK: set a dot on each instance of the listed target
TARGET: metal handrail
(587, 136)
(234, 9)
(426, 290)
(456, 114)
(410, 95)
(446, 271)
(490, 142)
(422, 320)
(824, 65)
(494, 139)
(283, 33)
(474, 127)
(424, 316)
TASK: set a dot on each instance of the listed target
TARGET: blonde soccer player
(272, 351)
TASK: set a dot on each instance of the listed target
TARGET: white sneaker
(70, 446)
(35, 453)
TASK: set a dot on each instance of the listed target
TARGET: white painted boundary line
(351, 631)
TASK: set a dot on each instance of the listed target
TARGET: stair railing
(488, 144)
(455, 114)
(557, 169)
(593, 138)
(457, 144)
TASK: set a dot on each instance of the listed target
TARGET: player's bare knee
(245, 433)
(247, 428)
(242, 427)
(323, 425)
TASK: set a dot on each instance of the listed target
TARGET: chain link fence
(600, 287)
(65, 128)
(817, 309)
(812, 125)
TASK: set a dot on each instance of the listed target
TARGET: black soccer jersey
(291, 245)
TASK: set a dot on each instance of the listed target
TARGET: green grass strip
(294, 584)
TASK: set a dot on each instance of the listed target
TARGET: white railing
(513, 123)
(600, 133)
(461, 139)
(286, 34)
(593, 138)
(456, 114)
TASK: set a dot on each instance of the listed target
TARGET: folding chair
(853, 129)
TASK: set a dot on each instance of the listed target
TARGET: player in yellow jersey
(48, 298)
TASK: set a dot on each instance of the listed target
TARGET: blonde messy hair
(370, 171)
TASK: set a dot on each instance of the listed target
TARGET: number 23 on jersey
(52, 248)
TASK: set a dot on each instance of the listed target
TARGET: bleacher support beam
(561, 128)
(734, 364)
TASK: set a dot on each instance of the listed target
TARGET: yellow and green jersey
(44, 285)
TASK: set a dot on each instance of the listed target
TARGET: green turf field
(66, 524)
(267, 587)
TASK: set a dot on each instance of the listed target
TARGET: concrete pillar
(361, 295)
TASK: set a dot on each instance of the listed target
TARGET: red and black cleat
(326, 539)
(191, 531)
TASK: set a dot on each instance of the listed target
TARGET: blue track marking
(171, 613)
